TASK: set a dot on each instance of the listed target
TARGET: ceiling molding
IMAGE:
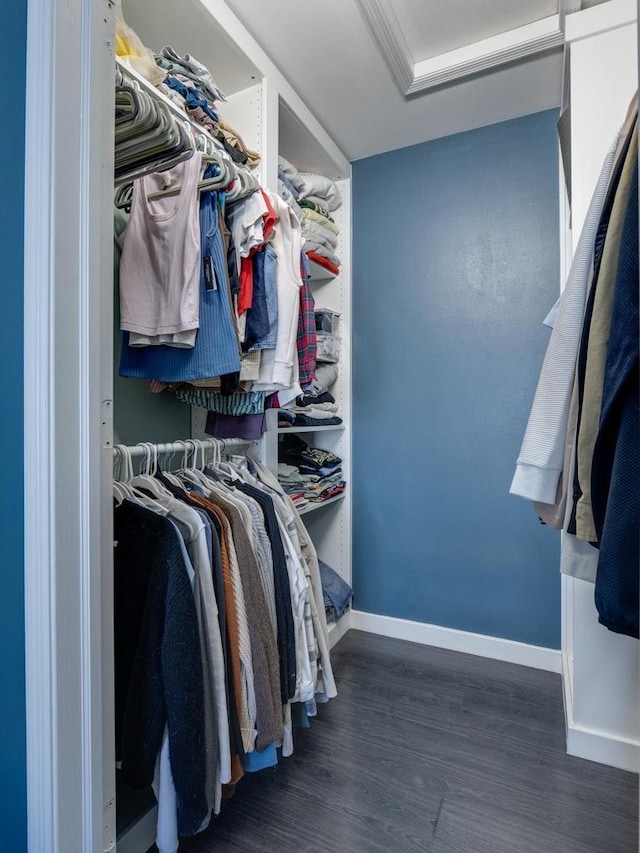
(481, 56)
(386, 30)
(489, 53)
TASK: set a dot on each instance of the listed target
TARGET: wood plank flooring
(432, 751)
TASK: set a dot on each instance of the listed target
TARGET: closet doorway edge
(68, 243)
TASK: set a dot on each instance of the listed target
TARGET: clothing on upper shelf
(234, 139)
(317, 233)
(320, 190)
(219, 627)
(311, 246)
(191, 95)
(326, 376)
(313, 197)
(304, 203)
(288, 172)
(288, 418)
(580, 458)
(190, 67)
(285, 193)
(325, 222)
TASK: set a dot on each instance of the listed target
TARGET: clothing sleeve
(539, 464)
(182, 675)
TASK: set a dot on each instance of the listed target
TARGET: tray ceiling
(381, 75)
(429, 32)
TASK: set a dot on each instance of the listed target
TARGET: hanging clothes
(580, 455)
(616, 455)
(216, 350)
(160, 262)
(216, 567)
(278, 367)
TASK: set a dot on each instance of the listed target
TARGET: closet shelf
(318, 504)
(332, 428)
(319, 273)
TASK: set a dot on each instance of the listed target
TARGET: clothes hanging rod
(184, 445)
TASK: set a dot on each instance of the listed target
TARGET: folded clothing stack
(314, 196)
(311, 410)
(316, 406)
(294, 484)
(308, 474)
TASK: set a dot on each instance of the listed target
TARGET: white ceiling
(328, 53)
(429, 32)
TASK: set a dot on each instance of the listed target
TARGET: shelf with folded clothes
(314, 198)
(314, 505)
(311, 476)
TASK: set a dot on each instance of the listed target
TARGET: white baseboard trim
(595, 744)
(482, 645)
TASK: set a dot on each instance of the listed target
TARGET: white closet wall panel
(601, 668)
(243, 111)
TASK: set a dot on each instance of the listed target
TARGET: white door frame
(68, 241)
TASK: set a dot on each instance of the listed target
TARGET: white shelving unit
(265, 109)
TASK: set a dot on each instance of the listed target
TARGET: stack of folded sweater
(313, 197)
(308, 474)
(316, 406)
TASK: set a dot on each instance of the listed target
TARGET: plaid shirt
(307, 341)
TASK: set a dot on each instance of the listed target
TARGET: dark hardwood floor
(432, 751)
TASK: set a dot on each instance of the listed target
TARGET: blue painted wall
(13, 815)
(456, 263)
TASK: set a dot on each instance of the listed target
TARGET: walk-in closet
(331, 427)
